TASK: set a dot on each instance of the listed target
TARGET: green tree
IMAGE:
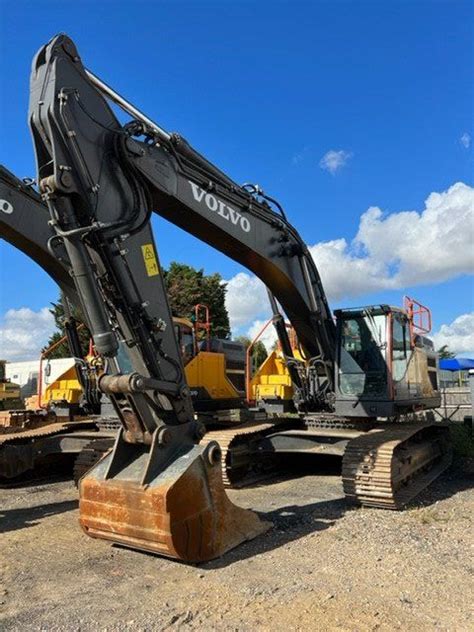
(188, 286)
(444, 353)
(259, 351)
(62, 350)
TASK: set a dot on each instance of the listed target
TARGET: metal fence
(448, 379)
(456, 403)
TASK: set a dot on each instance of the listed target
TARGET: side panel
(208, 370)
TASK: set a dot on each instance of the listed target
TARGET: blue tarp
(456, 364)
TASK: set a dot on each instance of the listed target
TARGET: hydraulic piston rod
(107, 91)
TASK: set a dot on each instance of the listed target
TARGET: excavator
(9, 391)
(362, 386)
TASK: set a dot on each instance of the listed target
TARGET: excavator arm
(24, 223)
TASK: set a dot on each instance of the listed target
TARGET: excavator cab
(385, 365)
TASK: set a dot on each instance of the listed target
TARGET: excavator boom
(24, 224)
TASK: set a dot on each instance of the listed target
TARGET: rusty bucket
(183, 512)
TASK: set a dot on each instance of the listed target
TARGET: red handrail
(206, 325)
(248, 364)
(419, 317)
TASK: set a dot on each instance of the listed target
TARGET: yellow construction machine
(64, 392)
(214, 368)
(9, 392)
(271, 386)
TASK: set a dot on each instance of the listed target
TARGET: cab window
(362, 368)
(400, 347)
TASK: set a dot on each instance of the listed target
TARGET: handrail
(248, 364)
(206, 325)
(416, 316)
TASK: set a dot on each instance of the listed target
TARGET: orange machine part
(419, 317)
(184, 513)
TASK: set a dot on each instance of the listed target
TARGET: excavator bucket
(183, 512)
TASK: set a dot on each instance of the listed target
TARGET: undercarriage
(384, 465)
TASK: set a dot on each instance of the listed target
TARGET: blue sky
(265, 90)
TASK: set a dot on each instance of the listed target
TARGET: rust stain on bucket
(184, 514)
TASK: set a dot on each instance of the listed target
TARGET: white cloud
(249, 308)
(402, 249)
(268, 337)
(465, 140)
(346, 273)
(333, 160)
(459, 335)
(246, 299)
(392, 251)
(23, 333)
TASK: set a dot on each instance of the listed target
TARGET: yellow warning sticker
(149, 257)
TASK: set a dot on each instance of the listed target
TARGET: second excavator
(355, 383)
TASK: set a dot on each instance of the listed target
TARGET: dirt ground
(323, 566)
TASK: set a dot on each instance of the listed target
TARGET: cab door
(401, 353)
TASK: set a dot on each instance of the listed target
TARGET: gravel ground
(324, 566)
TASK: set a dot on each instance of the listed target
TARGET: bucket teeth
(183, 513)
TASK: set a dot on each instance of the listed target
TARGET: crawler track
(236, 447)
(385, 467)
(17, 435)
(389, 466)
(22, 449)
(90, 455)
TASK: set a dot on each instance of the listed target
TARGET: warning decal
(149, 257)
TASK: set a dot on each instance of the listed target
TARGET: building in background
(26, 373)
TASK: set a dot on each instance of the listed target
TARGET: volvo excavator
(359, 385)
